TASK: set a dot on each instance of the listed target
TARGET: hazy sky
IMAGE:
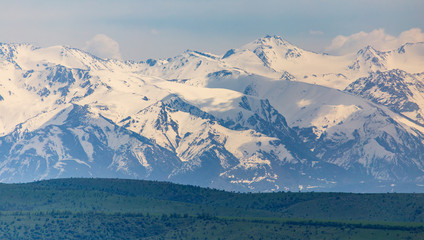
(142, 29)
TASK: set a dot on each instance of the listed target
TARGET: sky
(143, 29)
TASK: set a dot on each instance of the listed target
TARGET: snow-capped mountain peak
(273, 51)
(369, 59)
(275, 43)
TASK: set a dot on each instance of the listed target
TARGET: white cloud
(103, 46)
(377, 38)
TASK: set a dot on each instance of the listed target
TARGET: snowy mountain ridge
(267, 116)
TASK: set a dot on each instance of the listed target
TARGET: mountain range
(268, 116)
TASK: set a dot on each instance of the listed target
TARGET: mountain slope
(400, 91)
(342, 129)
(78, 143)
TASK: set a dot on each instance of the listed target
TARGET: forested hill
(133, 209)
(117, 195)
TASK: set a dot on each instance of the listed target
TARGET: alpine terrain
(268, 116)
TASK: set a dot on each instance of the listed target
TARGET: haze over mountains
(267, 116)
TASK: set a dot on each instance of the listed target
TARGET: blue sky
(142, 29)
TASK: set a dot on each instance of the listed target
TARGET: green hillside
(135, 209)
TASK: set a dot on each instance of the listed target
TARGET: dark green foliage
(133, 209)
(95, 225)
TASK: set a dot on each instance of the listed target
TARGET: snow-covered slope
(400, 91)
(78, 143)
(409, 57)
(267, 116)
(342, 129)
